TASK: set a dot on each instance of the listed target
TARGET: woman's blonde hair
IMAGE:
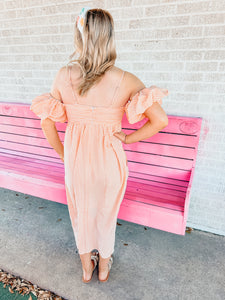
(96, 51)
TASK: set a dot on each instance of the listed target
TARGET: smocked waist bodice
(93, 114)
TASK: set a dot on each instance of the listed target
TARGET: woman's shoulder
(116, 71)
(69, 71)
(131, 83)
(130, 77)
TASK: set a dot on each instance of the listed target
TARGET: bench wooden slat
(27, 149)
(39, 158)
(164, 193)
(29, 164)
(33, 158)
(149, 178)
(29, 131)
(151, 185)
(160, 160)
(154, 200)
(162, 150)
(165, 138)
(34, 173)
(144, 169)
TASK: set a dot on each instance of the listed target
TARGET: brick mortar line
(113, 8)
(128, 19)
(129, 29)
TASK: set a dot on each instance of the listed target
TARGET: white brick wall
(179, 45)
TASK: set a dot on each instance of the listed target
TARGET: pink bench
(161, 168)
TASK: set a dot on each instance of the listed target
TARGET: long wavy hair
(96, 52)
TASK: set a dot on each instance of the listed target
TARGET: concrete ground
(37, 243)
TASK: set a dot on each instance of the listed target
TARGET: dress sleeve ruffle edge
(46, 106)
(143, 99)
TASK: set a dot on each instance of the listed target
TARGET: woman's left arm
(52, 136)
(48, 125)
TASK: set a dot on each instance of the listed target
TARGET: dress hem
(86, 252)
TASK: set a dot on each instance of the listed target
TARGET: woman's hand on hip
(121, 136)
(62, 157)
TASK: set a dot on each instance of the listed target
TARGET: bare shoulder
(75, 71)
(60, 74)
(131, 83)
(62, 71)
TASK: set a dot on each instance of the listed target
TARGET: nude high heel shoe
(109, 267)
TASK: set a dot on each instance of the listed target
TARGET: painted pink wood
(156, 193)
(22, 147)
(159, 180)
(10, 155)
(165, 190)
(162, 148)
(39, 172)
(31, 185)
(152, 216)
(187, 198)
(160, 171)
(161, 168)
(34, 157)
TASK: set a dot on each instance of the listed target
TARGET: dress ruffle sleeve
(46, 106)
(143, 99)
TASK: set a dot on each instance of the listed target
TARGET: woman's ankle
(103, 263)
(86, 262)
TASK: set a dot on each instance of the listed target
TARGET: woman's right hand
(62, 157)
(121, 136)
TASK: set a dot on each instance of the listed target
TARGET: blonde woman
(92, 94)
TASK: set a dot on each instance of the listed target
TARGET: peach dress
(95, 162)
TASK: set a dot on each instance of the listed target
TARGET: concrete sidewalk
(37, 243)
